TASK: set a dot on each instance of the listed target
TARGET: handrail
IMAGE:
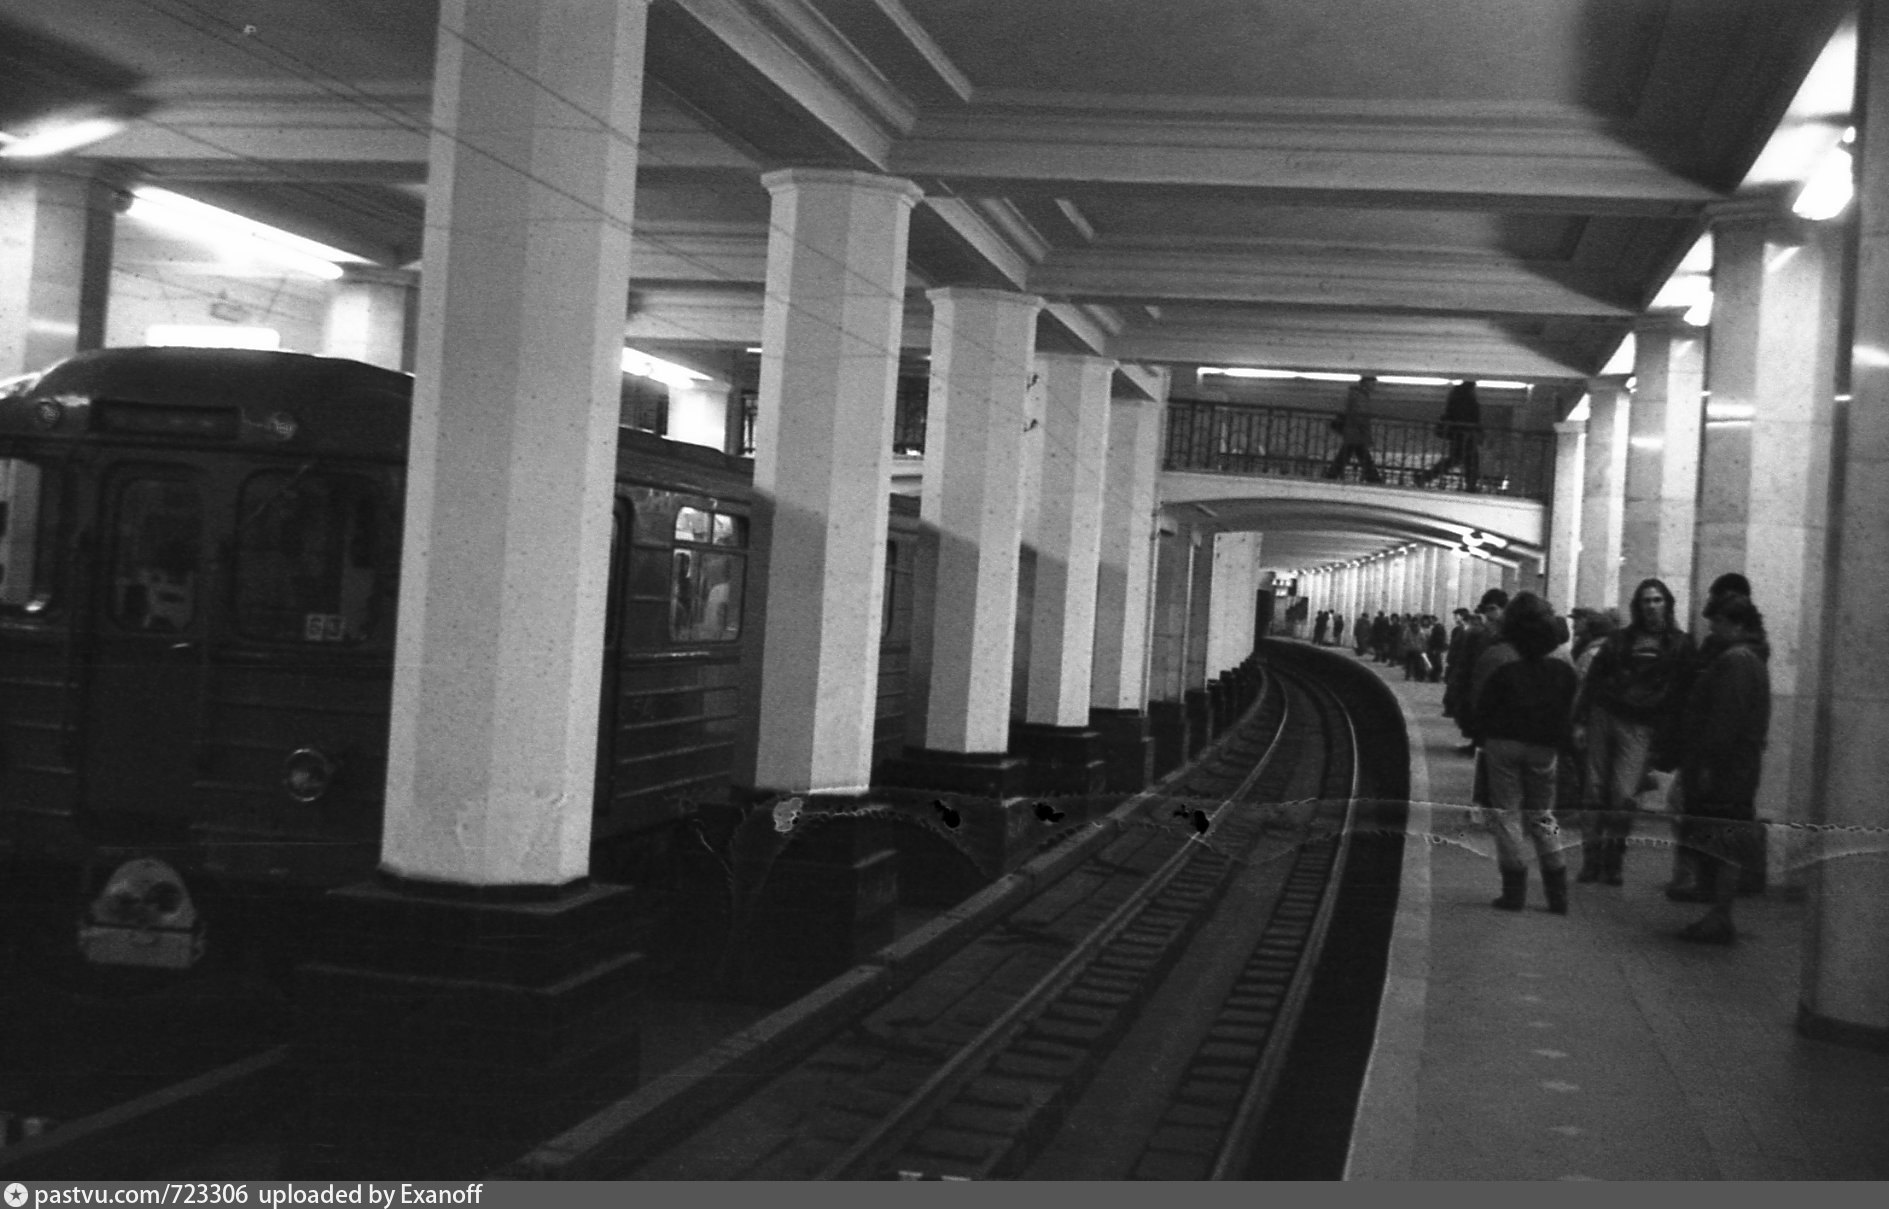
(1290, 442)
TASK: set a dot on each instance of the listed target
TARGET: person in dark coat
(1722, 731)
(1353, 426)
(1361, 634)
(1522, 712)
(1623, 720)
(1692, 874)
(1461, 426)
(1437, 643)
(1477, 642)
(1337, 628)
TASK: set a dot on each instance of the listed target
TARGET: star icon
(16, 1195)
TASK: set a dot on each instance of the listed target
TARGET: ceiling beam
(1562, 160)
(1336, 277)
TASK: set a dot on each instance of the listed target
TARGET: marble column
(1230, 625)
(370, 316)
(1118, 682)
(1167, 675)
(1765, 481)
(973, 499)
(831, 332)
(1065, 753)
(1603, 499)
(55, 266)
(484, 923)
(1564, 516)
(1663, 434)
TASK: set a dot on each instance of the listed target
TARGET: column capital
(1078, 359)
(1667, 323)
(783, 179)
(1570, 428)
(374, 274)
(974, 293)
(1607, 382)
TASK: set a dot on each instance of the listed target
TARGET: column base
(995, 775)
(1127, 749)
(1200, 719)
(445, 1032)
(1819, 1027)
(823, 910)
(1167, 725)
(1063, 761)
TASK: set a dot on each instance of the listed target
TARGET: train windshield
(309, 554)
(29, 531)
(156, 567)
(710, 564)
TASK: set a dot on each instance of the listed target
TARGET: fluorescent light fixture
(1730, 411)
(668, 373)
(59, 137)
(211, 335)
(1647, 442)
(1828, 191)
(224, 230)
(1329, 376)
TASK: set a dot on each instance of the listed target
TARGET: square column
(1564, 517)
(1064, 752)
(1230, 615)
(1603, 498)
(1662, 483)
(975, 475)
(1846, 981)
(370, 316)
(1766, 486)
(823, 450)
(55, 267)
(1070, 504)
(1167, 663)
(481, 994)
(1118, 682)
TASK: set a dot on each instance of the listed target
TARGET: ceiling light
(655, 368)
(1828, 191)
(227, 231)
(59, 137)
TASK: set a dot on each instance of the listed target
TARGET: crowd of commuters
(1602, 720)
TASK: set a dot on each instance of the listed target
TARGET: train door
(151, 592)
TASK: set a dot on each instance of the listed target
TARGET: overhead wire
(256, 44)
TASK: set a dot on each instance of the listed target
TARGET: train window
(708, 568)
(29, 536)
(156, 554)
(310, 549)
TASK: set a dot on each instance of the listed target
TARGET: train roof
(219, 377)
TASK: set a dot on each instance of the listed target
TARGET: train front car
(199, 555)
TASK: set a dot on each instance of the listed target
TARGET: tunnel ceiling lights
(230, 232)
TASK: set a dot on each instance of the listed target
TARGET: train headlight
(307, 774)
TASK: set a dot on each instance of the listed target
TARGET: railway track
(1020, 1054)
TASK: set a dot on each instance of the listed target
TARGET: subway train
(199, 564)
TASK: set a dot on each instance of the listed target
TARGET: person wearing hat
(1628, 704)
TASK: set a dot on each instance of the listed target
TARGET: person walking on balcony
(1354, 433)
(1461, 426)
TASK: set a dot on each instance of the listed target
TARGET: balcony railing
(1237, 438)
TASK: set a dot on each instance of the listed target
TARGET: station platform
(1596, 1045)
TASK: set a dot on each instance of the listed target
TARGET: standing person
(1722, 734)
(1353, 427)
(1627, 707)
(1522, 712)
(1380, 636)
(1692, 873)
(1478, 640)
(1461, 426)
(1337, 628)
(1318, 627)
(1361, 634)
(1435, 645)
